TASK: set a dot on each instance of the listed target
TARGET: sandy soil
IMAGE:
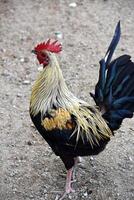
(28, 168)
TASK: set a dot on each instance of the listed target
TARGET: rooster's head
(43, 51)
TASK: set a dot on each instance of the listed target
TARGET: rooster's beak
(33, 51)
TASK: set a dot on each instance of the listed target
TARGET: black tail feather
(114, 92)
(113, 44)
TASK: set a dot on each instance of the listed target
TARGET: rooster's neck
(50, 90)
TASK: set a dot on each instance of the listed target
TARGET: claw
(70, 190)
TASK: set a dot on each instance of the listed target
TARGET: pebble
(122, 49)
(70, 45)
(29, 143)
(26, 82)
(12, 174)
(14, 106)
(31, 196)
(90, 191)
(24, 60)
(73, 5)
(45, 191)
(3, 50)
(19, 95)
(130, 158)
(32, 125)
(85, 194)
(40, 68)
(14, 190)
(91, 158)
(57, 197)
(59, 35)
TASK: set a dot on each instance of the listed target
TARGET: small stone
(32, 125)
(40, 68)
(45, 191)
(73, 5)
(24, 60)
(14, 56)
(90, 191)
(91, 158)
(29, 143)
(26, 82)
(122, 49)
(14, 190)
(12, 174)
(19, 95)
(57, 197)
(130, 158)
(14, 106)
(70, 45)
(59, 34)
(31, 196)
(3, 50)
(85, 194)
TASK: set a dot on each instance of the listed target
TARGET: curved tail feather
(114, 91)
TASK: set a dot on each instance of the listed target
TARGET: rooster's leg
(68, 188)
(77, 161)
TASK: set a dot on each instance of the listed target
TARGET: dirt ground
(28, 168)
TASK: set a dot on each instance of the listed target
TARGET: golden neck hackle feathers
(50, 90)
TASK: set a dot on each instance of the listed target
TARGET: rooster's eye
(43, 55)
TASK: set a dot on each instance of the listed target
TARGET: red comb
(53, 47)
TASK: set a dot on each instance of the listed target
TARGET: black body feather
(64, 144)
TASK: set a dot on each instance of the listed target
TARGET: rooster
(71, 126)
